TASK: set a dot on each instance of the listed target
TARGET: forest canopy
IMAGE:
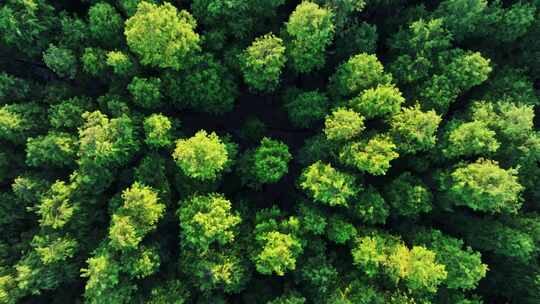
(270, 151)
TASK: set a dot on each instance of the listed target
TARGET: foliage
(262, 62)
(269, 151)
(408, 195)
(205, 220)
(307, 108)
(485, 186)
(161, 36)
(61, 61)
(202, 156)
(157, 128)
(327, 185)
(372, 156)
(137, 216)
(343, 124)
(358, 73)
(146, 92)
(311, 29)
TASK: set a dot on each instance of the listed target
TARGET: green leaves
(161, 36)
(382, 101)
(278, 254)
(486, 187)
(61, 61)
(270, 161)
(464, 266)
(262, 62)
(327, 185)
(408, 195)
(202, 156)
(105, 24)
(307, 108)
(372, 156)
(138, 215)
(359, 73)
(414, 130)
(56, 208)
(157, 128)
(343, 124)
(311, 29)
(384, 254)
(104, 141)
(207, 219)
(146, 92)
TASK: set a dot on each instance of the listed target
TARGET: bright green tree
(205, 220)
(136, 217)
(343, 124)
(485, 186)
(311, 29)
(262, 62)
(372, 156)
(161, 36)
(382, 101)
(202, 156)
(327, 185)
(157, 128)
(357, 74)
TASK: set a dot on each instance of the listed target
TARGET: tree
(105, 24)
(382, 101)
(388, 255)
(343, 124)
(311, 29)
(207, 219)
(327, 185)
(121, 63)
(222, 269)
(62, 61)
(291, 298)
(467, 70)
(135, 218)
(371, 207)
(54, 149)
(464, 266)
(161, 36)
(470, 139)
(94, 61)
(206, 86)
(146, 92)
(372, 156)
(262, 62)
(485, 186)
(472, 15)
(267, 164)
(13, 88)
(408, 195)
(105, 142)
(157, 128)
(56, 208)
(25, 24)
(19, 121)
(307, 108)
(339, 230)
(67, 114)
(202, 156)
(357, 74)
(278, 254)
(414, 130)
(104, 281)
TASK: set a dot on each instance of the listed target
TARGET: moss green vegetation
(270, 151)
